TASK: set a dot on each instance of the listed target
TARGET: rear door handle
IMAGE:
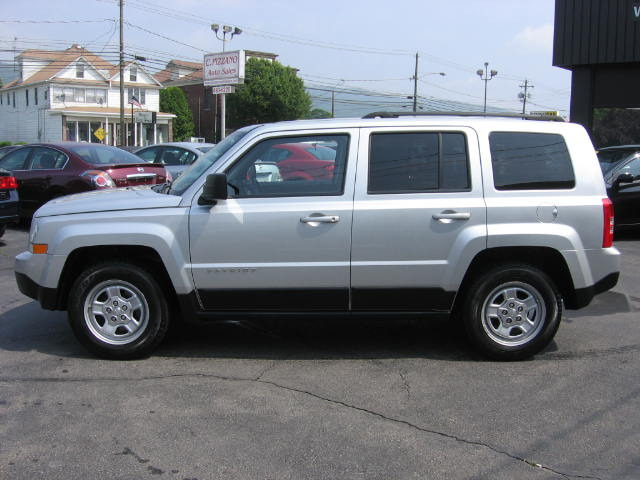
(449, 215)
(320, 219)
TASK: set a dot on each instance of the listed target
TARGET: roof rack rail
(553, 118)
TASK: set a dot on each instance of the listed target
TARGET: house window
(139, 93)
(78, 95)
(14, 99)
(79, 70)
(26, 96)
(46, 93)
(133, 74)
(35, 96)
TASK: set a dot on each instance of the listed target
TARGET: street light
(232, 31)
(486, 75)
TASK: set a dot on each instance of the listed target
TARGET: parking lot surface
(318, 399)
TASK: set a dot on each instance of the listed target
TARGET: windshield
(103, 154)
(201, 165)
(609, 159)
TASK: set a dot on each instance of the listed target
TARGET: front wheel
(118, 311)
(512, 312)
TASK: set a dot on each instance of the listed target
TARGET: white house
(75, 95)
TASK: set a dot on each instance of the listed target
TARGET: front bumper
(47, 297)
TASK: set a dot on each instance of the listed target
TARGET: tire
(118, 311)
(512, 312)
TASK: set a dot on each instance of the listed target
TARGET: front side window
(530, 161)
(15, 160)
(200, 166)
(414, 162)
(283, 167)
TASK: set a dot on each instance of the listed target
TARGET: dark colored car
(621, 170)
(46, 171)
(8, 200)
(302, 161)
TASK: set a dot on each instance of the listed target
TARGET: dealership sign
(223, 89)
(226, 68)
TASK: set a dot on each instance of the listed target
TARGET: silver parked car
(175, 156)
(497, 223)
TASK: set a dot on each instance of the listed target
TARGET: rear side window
(530, 161)
(418, 162)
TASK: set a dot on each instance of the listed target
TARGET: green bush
(5, 144)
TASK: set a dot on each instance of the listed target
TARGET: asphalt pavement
(316, 399)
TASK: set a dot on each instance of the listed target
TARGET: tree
(615, 126)
(173, 100)
(318, 113)
(271, 93)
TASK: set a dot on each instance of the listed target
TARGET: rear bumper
(583, 296)
(8, 212)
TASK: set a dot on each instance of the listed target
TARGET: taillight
(98, 178)
(8, 183)
(608, 223)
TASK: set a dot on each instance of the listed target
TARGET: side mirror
(624, 178)
(215, 188)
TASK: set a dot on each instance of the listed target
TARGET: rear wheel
(512, 312)
(118, 311)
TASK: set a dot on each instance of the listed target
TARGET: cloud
(535, 38)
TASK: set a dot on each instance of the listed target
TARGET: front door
(278, 244)
(419, 218)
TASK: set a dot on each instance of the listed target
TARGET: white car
(175, 156)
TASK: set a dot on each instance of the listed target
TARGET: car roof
(496, 123)
(193, 146)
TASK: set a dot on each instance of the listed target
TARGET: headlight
(33, 233)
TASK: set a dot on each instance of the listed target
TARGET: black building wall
(599, 41)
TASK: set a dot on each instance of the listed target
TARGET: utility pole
(486, 75)
(415, 87)
(122, 137)
(525, 95)
(333, 103)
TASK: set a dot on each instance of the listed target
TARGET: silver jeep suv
(498, 223)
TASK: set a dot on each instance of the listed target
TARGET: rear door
(419, 217)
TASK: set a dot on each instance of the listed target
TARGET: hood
(130, 198)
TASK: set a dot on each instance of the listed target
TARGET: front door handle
(311, 219)
(451, 215)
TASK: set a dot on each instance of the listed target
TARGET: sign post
(223, 69)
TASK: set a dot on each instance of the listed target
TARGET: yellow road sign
(100, 134)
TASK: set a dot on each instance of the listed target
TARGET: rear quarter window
(530, 161)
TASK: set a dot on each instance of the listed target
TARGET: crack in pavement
(314, 395)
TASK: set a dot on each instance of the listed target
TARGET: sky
(334, 44)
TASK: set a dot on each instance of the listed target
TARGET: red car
(302, 161)
(48, 170)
